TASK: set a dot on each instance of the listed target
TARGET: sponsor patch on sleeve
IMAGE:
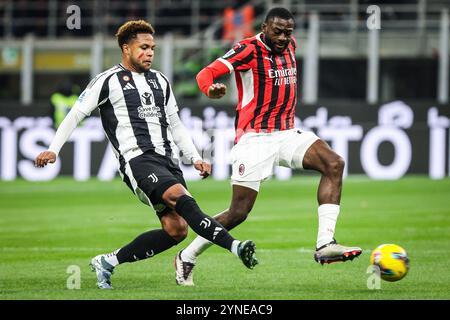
(228, 54)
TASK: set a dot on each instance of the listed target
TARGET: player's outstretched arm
(63, 133)
(86, 103)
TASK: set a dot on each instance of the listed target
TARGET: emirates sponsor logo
(281, 73)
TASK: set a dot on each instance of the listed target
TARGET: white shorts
(254, 157)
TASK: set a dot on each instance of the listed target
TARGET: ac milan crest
(241, 169)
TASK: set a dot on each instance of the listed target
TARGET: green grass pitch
(47, 227)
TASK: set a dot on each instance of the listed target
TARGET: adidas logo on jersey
(128, 86)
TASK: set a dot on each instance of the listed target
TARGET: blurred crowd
(48, 17)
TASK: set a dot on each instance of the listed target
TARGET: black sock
(146, 245)
(202, 224)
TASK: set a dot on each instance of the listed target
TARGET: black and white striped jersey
(134, 109)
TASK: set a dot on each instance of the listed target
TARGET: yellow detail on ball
(392, 261)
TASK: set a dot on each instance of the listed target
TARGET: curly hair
(279, 12)
(130, 29)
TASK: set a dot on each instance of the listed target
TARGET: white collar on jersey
(258, 37)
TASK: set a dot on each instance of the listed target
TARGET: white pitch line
(50, 249)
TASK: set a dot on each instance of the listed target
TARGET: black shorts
(151, 175)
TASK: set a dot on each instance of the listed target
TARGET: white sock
(194, 249)
(111, 258)
(234, 247)
(328, 214)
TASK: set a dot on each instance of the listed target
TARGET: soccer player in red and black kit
(266, 78)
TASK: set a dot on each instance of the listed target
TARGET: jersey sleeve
(206, 76)
(182, 139)
(239, 57)
(65, 129)
(92, 97)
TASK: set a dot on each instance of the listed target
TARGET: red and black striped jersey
(266, 82)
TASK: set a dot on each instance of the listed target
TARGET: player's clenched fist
(217, 90)
(44, 157)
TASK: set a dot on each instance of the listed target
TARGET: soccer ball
(392, 261)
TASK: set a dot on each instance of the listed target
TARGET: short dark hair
(279, 12)
(130, 29)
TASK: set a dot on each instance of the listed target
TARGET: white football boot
(334, 252)
(104, 271)
(183, 271)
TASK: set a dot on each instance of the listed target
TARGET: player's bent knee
(340, 164)
(179, 235)
(241, 218)
(178, 231)
(171, 195)
(175, 226)
(239, 214)
(336, 166)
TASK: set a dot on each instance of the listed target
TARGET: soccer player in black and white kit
(140, 118)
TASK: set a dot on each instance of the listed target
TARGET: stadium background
(379, 96)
